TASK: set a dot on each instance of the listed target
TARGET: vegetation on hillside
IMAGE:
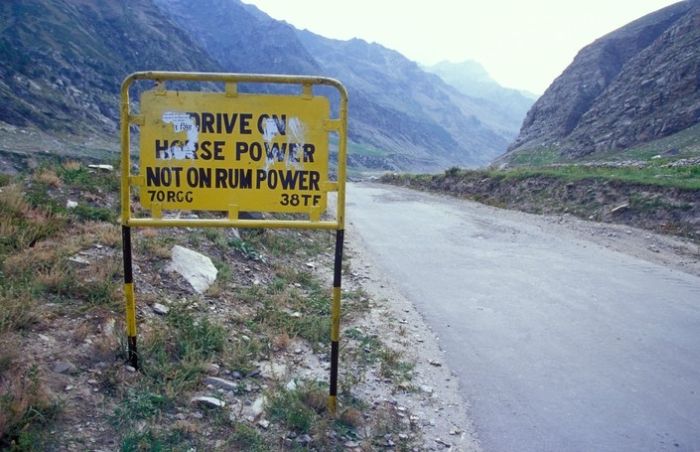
(659, 194)
(63, 378)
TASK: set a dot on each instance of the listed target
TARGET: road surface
(559, 344)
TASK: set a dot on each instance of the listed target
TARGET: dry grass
(281, 341)
(22, 225)
(18, 310)
(25, 403)
(49, 177)
(72, 165)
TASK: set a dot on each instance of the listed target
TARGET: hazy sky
(523, 44)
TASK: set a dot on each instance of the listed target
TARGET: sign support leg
(335, 321)
(129, 297)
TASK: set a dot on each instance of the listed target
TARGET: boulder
(197, 269)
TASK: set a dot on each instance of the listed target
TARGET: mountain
(240, 37)
(62, 63)
(634, 85)
(399, 107)
(507, 106)
(400, 117)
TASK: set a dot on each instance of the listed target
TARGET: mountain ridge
(63, 63)
(611, 95)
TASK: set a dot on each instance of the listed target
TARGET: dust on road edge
(442, 412)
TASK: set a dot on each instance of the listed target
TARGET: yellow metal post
(129, 297)
(335, 321)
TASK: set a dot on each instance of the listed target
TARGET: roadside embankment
(660, 199)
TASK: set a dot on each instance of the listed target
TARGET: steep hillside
(506, 106)
(400, 107)
(400, 117)
(636, 84)
(62, 61)
(240, 38)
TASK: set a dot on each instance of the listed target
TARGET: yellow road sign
(213, 151)
(230, 151)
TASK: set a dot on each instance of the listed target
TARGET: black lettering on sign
(278, 124)
(288, 179)
(199, 177)
(163, 177)
(245, 123)
(299, 200)
(206, 150)
(220, 122)
(233, 178)
(254, 150)
(169, 196)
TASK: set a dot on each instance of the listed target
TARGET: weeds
(245, 248)
(247, 438)
(25, 406)
(297, 409)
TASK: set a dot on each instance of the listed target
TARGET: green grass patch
(684, 144)
(150, 440)
(84, 212)
(247, 438)
(535, 157)
(298, 409)
(687, 177)
(138, 404)
(365, 149)
(88, 179)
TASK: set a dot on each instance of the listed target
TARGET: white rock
(221, 383)
(272, 370)
(264, 423)
(71, 204)
(208, 401)
(256, 408)
(427, 389)
(108, 327)
(103, 166)
(79, 260)
(196, 268)
(160, 309)
(291, 386)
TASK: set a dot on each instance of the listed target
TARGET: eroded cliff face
(636, 84)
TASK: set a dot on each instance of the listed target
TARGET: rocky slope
(397, 106)
(631, 86)
(61, 62)
(400, 116)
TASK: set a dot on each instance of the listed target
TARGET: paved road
(559, 344)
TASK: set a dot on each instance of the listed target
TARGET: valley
(520, 271)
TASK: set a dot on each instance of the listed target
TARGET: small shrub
(137, 405)
(247, 438)
(287, 407)
(25, 405)
(88, 213)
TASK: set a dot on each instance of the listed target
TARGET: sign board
(231, 152)
(248, 152)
